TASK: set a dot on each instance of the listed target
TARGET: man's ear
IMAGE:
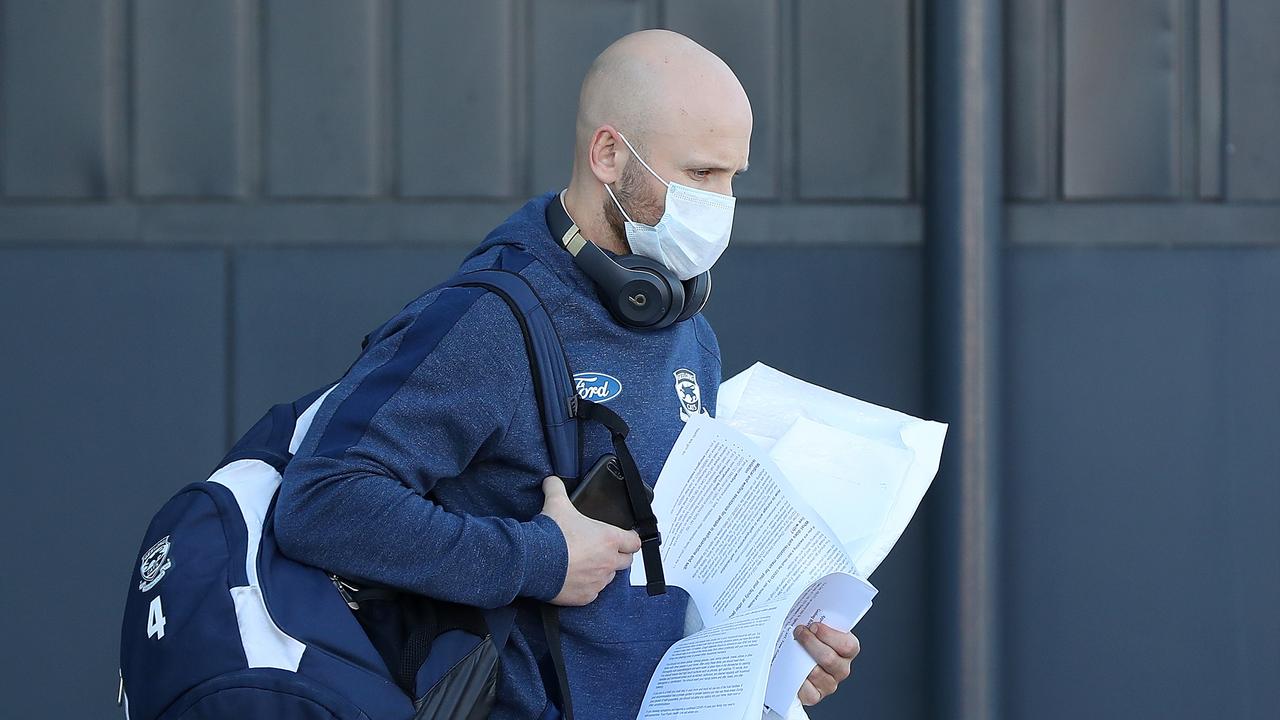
(605, 159)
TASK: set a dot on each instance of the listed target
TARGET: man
(452, 411)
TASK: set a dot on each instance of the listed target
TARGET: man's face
(707, 160)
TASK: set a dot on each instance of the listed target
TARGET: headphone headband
(571, 239)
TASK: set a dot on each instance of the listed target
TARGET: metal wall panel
(744, 33)
(59, 98)
(854, 84)
(556, 67)
(325, 71)
(1031, 97)
(846, 318)
(458, 114)
(1121, 127)
(192, 108)
(1142, 484)
(115, 398)
(300, 313)
(1253, 99)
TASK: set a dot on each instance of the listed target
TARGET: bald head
(681, 108)
(661, 81)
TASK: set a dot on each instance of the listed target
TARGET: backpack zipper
(345, 589)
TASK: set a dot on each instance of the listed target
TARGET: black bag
(405, 627)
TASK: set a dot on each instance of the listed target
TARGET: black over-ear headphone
(639, 292)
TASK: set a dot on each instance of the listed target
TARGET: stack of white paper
(864, 468)
(773, 515)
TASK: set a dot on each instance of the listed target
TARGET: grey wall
(1142, 472)
(204, 206)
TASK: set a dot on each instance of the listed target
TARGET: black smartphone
(602, 494)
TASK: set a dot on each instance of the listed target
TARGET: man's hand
(597, 551)
(834, 651)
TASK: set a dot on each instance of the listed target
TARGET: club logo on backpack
(155, 563)
(688, 393)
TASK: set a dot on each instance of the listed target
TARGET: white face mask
(693, 231)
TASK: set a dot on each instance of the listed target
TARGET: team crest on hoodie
(688, 393)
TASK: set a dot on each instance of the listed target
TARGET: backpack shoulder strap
(558, 401)
(552, 382)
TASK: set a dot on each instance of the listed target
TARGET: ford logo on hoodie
(597, 387)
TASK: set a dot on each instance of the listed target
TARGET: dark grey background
(205, 205)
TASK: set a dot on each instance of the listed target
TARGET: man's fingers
(821, 652)
(822, 680)
(624, 561)
(628, 541)
(845, 644)
(809, 694)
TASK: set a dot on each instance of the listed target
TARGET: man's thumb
(553, 488)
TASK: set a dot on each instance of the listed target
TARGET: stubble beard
(637, 197)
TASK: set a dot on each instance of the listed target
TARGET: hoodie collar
(527, 229)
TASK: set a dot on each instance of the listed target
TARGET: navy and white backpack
(219, 624)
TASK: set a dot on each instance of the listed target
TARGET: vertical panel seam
(396, 103)
(516, 74)
(1057, 79)
(1029, 29)
(118, 101)
(245, 91)
(385, 101)
(522, 73)
(4, 105)
(1209, 96)
(915, 102)
(1186, 80)
(786, 20)
(777, 32)
(229, 341)
(264, 110)
(1225, 146)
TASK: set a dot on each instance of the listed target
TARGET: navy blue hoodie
(442, 402)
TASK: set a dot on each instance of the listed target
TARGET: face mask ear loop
(636, 155)
(615, 202)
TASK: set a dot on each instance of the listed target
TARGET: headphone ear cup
(670, 289)
(697, 290)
